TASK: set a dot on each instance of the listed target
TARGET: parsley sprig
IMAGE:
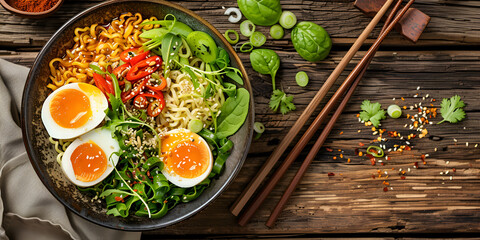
(452, 109)
(280, 100)
(372, 112)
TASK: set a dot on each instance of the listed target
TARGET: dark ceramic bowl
(42, 153)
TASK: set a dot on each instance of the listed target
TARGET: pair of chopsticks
(349, 84)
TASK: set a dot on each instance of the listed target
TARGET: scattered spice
(331, 174)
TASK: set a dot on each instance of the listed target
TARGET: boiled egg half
(187, 158)
(73, 110)
(90, 159)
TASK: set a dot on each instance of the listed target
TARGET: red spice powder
(33, 5)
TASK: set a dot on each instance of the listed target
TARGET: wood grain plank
(453, 22)
(426, 201)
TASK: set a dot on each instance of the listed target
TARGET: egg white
(101, 137)
(189, 182)
(98, 105)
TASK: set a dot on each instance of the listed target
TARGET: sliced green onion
(259, 127)
(247, 28)
(377, 151)
(394, 111)
(276, 32)
(258, 39)
(195, 125)
(288, 19)
(248, 45)
(233, 18)
(184, 51)
(227, 36)
(301, 78)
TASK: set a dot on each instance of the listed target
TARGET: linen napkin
(27, 209)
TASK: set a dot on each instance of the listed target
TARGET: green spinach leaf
(265, 61)
(233, 113)
(311, 41)
(261, 12)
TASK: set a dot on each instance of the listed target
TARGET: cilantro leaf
(452, 109)
(280, 100)
(372, 112)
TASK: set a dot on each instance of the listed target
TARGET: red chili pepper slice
(140, 102)
(155, 86)
(120, 71)
(144, 68)
(136, 89)
(156, 106)
(105, 86)
(133, 55)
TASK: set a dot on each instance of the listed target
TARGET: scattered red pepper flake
(402, 177)
(361, 144)
(330, 174)
(329, 149)
(385, 189)
(373, 176)
(341, 132)
(454, 170)
(408, 148)
(348, 160)
(341, 155)
(415, 165)
(334, 158)
(423, 157)
(403, 99)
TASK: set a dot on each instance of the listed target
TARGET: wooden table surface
(441, 196)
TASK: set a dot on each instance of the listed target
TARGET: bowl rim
(28, 142)
(10, 8)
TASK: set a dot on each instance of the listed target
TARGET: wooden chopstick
(361, 66)
(280, 149)
(260, 198)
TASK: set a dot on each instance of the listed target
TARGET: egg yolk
(188, 159)
(70, 108)
(89, 162)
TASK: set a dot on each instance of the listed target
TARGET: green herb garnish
(452, 109)
(372, 112)
(280, 100)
